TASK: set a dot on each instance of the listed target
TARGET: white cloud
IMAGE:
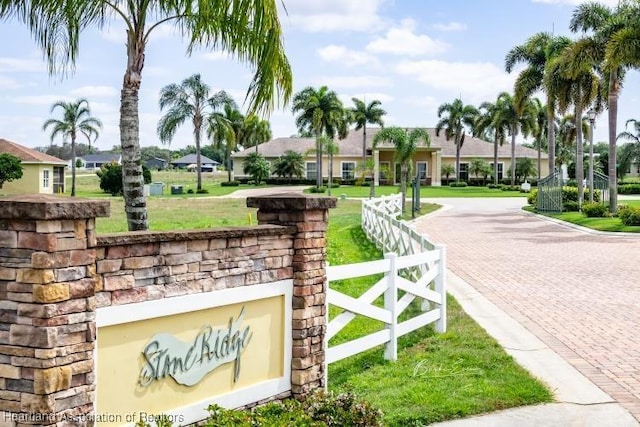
(95, 92)
(422, 101)
(6, 83)
(333, 15)
(12, 65)
(40, 99)
(217, 55)
(475, 81)
(367, 97)
(347, 82)
(404, 41)
(450, 26)
(348, 57)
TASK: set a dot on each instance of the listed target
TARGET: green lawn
(612, 224)
(425, 192)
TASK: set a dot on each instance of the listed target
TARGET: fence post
(325, 341)
(390, 304)
(441, 288)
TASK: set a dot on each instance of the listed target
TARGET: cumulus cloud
(404, 41)
(333, 15)
(6, 83)
(477, 81)
(348, 82)
(450, 26)
(95, 92)
(14, 65)
(347, 57)
(367, 97)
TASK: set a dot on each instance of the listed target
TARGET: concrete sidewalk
(579, 401)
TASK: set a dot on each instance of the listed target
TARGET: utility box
(156, 188)
(176, 189)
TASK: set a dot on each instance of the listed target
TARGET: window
(421, 170)
(464, 171)
(312, 170)
(348, 171)
(500, 170)
(45, 178)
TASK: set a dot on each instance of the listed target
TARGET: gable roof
(351, 146)
(192, 159)
(28, 155)
(105, 157)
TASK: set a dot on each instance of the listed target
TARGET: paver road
(578, 292)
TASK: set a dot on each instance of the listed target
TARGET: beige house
(41, 173)
(427, 161)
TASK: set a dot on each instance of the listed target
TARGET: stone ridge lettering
(188, 363)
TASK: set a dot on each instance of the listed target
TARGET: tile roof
(192, 159)
(28, 155)
(352, 146)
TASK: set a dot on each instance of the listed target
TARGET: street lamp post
(591, 114)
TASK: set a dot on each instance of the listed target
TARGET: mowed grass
(612, 224)
(437, 376)
(425, 192)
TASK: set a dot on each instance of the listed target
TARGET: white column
(376, 167)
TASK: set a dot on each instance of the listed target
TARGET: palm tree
(406, 143)
(363, 114)
(567, 133)
(479, 167)
(227, 129)
(320, 114)
(256, 131)
(537, 52)
(188, 100)
(447, 170)
(610, 29)
(525, 168)
(457, 117)
(248, 30)
(290, 164)
(76, 119)
(540, 130)
(629, 152)
(490, 122)
(256, 166)
(520, 117)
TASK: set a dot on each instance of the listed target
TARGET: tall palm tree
(247, 29)
(541, 130)
(490, 123)
(76, 119)
(189, 100)
(256, 131)
(602, 27)
(363, 114)
(520, 116)
(458, 115)
(537, 52)
(567, 136)
(227, 129)
(320, 113)
(406, 143)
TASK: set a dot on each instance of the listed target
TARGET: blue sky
(412, 55)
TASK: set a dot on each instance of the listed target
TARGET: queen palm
(226, 129)
(256, 131)
(320, 113)
(406, 143)
(189, 100)
(363, 114)
(247, 29)
(537, 52)
(453, 117)
(519, 114)
(76, 119)
(602, 27)
(490, 123)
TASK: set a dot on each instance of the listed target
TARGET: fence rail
(413, 267)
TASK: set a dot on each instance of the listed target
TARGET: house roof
(28, 155)
(191, 159)
(351, 146)
(105, 157)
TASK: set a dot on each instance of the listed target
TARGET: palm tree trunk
(551, 135)
(614, 89)
(579, 153)
(196, 133)
(403, 184)
(495, 160)
(539, 156)
(132, 178)
(364, 142)
(513, 154)
(318, 161)
(457, 158)
(330, 174)
(228, 154)
(73, 164)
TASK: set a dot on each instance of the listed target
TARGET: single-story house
(427, 161)
(189, 162)
(41, 173)
(95, 161)
(156, 163)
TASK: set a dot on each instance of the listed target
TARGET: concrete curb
(579, 227)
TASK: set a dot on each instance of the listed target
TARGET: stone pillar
(47, 307)
(436, 170)
(309, 215)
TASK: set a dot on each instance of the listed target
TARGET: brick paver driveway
(578, 292)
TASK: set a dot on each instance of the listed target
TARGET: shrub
(630, 216)
(110, 176)
(202, 191)
(594, 210)
(498, 186)
(532, 197)
(570, 206)
(229, 183)
(510, 188)
(318, 189)
(458, 184)
(629, 189)
(190, 191)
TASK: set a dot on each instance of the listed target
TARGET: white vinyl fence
(413, 268)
